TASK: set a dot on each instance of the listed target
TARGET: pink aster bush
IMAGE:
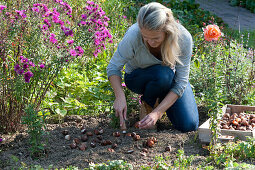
(37, 40)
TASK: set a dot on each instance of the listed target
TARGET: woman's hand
(149, 120)
(120, 106)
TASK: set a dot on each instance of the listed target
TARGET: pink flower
(27, 76)
(123, 85)
(70, 41)
(73, 52)
(80, 50)
(2, 7)
(21, 13)
(35, 9)
(42, 66)
(90, 2)
(53, 39)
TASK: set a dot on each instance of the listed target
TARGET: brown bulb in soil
(238, 120)
(225, 127)
(133, 134)
(150, 143)
(103, 143)
(244, 123)
(96, 132)
(108, 142)
(77, 141)
(235, 123)
(128, 134)
(252, 116)
(253, 120)
(101, 131)
(83, 147)
(226, 115)
(116, 134)
(99, 137)
(136, 137)
(65, 132)
(84, 138)
(93, 144)
(73, 145)
(89, 134)
(154, 139)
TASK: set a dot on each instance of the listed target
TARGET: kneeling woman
(156, 52)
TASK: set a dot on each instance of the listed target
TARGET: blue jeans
(155, 82)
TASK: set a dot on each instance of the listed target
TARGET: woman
(156, 52)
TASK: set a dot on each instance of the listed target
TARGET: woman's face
(153, 38)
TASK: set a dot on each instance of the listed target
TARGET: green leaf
(61, 112)
(197, 64)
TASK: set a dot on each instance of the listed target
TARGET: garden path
(236, 17)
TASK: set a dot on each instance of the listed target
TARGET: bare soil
(14, 150)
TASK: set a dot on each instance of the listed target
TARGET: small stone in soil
(130, 151)
(143, 154)
(168, 149)
(84, 138)
(110, 150)
(114, 145)
(145, 150)
(67, 137)
(83, 131)
(93, 144)
(101, 131)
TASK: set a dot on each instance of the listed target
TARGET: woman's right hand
(120, 106)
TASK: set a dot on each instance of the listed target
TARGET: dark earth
(14, 150)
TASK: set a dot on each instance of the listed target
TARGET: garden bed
(14, 151)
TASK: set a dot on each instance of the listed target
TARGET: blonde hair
(156, 17)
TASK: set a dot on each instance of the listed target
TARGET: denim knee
(188, 126)
(164, 78)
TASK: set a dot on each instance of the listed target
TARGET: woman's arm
(158, 112)
(120, 104)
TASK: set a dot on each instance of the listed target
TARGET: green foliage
(36, 43)
(35, 124)
(223, 71)
(249, 4)
(226, 154)
(82, 90)
(182, 161)
(111, 165)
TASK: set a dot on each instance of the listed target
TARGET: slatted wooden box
(204, 130)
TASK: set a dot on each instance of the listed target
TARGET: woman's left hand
(149, 120)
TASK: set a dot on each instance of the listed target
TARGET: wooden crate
(205, 132)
